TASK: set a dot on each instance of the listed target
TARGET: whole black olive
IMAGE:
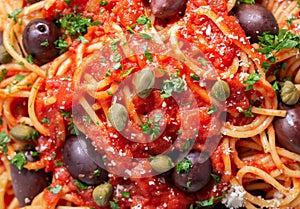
(255, 19)
(193, 172)
(38, 40)
(83, 162)
(28, 183)
(167, 8)
(287, 128)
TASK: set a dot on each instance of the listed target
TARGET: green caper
(4, 56)
(144, 82)
(161, 163)
(220, 90)
(289, 93)
(102, 193)
(118, 116)
(23, 133)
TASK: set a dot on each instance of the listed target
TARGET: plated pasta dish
(178, 104)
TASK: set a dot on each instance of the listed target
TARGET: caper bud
(220, 90)
(289, 93)
(102, 193)
(118, 116)
(4, 56)
(144, 82)
(161, 163)
(23, 133)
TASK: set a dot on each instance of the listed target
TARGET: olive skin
(83, 162)
(28, 183)
(287, 128)
(39, 36)
(167, 8)
(255, 19)
(197, 176)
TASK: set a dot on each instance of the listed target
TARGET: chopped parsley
(270, 43)
(212, 109)
(184, 165)
(19, 160)
(251, 80)
(127, 73)
(195, 77)
(45, 43)
(216, 178)
(68, 2)
(14, 14)
(202, 61)
(145, 36)
(174, 84)
(75, 24)
(45, 120)
(148, 55)
(246, 1)
(248, 113)
(152, 127)
(97, 172)
(125, 194)
(29, 59)
(266, 66)
(4, 140)
(143, 20)
(210, 201)
(3, 74)
(19, 77)
(60, 43)
(81, 185)
(114, 204)
(82, 39)
(56, 189)
(103, 2)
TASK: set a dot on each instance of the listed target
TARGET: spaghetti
(103, 51)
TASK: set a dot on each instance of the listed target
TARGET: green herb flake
(125, 194)
(148, 55)
(103, 2)
(210, 202)
(275, 86)
(266, 66)
(145, 36)
(202, 61)
(212, 109)
(19, 160)
(246, 1)
(61, 43)
(143, 20)
(45, 43)
(248, 113)
(270, 43)
(82, 39)
(19, 77)
(114, 204)
(251, 80)
(45, 120)
(127, 72)
(216, 178)
(4, 140)
(97, 172)
(3, 74)
(14, 14)
(81, 185)
(195, 77)
(184, 165)
(174, 84)
(68, 2)
(56, 189)
(29, 59)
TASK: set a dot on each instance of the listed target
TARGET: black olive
(255, 19)
(287, 128)
(83, 162)
(28, 183)
(38, 40)
(193, 172)
(167, 8)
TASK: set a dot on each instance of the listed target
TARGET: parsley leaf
(114, 204)
(143, 20)
(184, 165)
(125, 194)
(145, 36)
(152, 127)
(56, 189)
(269, 42)
(14, 14)
(251, 80)
(148, 55)
(81, 185)
(4, 140)
(3, 74)
(212, 109)
(246, 1)
(175, 84)
(19, 160)
(210, 201)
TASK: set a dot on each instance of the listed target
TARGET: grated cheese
(234, 197)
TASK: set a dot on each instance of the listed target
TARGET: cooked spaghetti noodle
(74, 93)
